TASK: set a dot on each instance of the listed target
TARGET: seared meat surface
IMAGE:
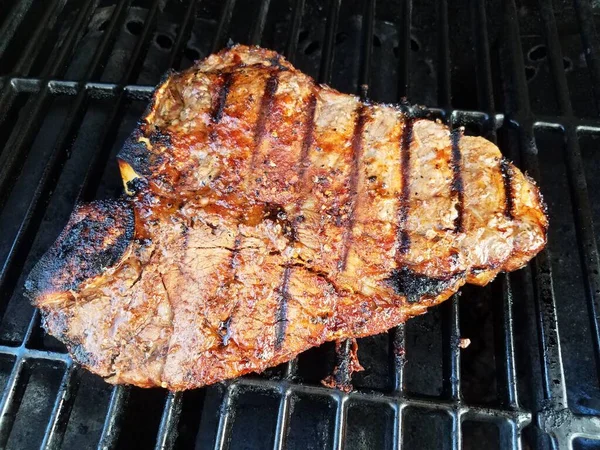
(267, 214)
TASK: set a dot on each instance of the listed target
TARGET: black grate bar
(59, 418)
(503, 312)
(472, 412)
(182, 35)
(283, 417)
(457, 426)
(589, 38)
(11, 399)
(114, 415)
(553, 372)
(326, 66)
(505, 345)
(224, 21)
(167, 430)
(397, 431)
(292, 44)
(258, 24)
(224, 428)
(15, 386)
(23, 134)
(404, 48)
(33, 216)
(35, 43)
(584, 225)
(444, 95)
(102, 152)
(555, 57)
(341, 416)
(451, 350)
(12, 22)
(29, 54)
(485, 91)
(398, 354)
(367, 27)
(144, 92)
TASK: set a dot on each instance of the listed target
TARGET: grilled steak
(266, 214)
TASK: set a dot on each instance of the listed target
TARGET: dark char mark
(414, 286)
(278, 215)
(282, 308)
(264, 112)
(457, 181)
(219, 104)
(406, 139)
(357, 150)
(507, 175)
(91, 242)
(309, 136)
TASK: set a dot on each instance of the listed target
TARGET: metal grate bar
(485, 91)
(92, 176)
(398, 430)
(545, 301)
(15, 386)
(341, 415)
(451, 349)
(553, 380)
(367, 27)
(258, 24)
(35, 44)
(24, 133)
(11, 398)
(59, 418)
(224, 428)
(404, 48)
(114, 415)
(518, 416)
(591, 46)
(505, 346)
(224, 21)
(326, 66)
(444, 95)
(292, 44)
(398, 354)
(457, 441)
(44, 186)
(167, 430)
(184, 32)
(584, 225)
(555, 57)
(143, 92)
(503, 313)
(12, 22)
(282, 421)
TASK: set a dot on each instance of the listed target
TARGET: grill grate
(93, 64)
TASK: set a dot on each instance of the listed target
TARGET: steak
(265, 214)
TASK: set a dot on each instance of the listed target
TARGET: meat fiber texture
(265, 214)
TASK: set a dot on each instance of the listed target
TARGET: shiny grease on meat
(267, 214)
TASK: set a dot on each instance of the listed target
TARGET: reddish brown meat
(267, 214)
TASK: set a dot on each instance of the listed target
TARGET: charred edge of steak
(414, 286)
(95, 238)
(136, 153)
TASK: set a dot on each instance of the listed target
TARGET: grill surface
(76, 75)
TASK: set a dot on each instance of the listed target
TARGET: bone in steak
(266, 214)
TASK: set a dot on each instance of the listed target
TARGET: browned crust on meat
(268, 214)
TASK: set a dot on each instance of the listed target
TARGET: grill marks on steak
(269, 214)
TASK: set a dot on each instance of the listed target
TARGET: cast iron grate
(74, 77)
